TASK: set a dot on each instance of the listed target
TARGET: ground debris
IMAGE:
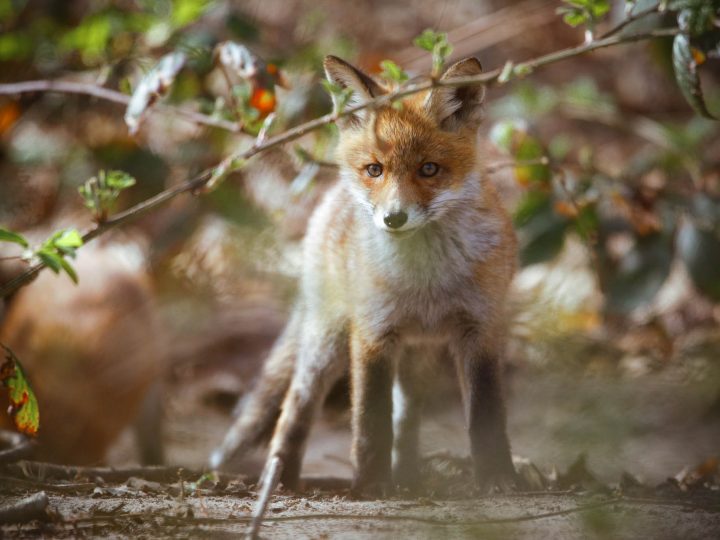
(141, 507)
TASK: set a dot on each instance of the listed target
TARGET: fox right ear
(364, 89)
(457, 108)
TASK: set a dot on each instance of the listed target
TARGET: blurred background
(613, 181)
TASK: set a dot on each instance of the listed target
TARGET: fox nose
(395, 220)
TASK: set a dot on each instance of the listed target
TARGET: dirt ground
(651, 427)
(318, 515)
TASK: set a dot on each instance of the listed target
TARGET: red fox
(408, 258)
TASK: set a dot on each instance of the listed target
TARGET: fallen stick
(27, 509)
(19, 446)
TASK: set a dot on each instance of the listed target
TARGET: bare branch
(631, 18)
(72, 87)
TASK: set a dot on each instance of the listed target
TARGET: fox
(407, 263)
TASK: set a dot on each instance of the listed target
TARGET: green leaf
(528, 148)
(392, 72)
(531, 203)
(589, 12)
(70, 238)
(52, 260)
(24, 408)
(572, 17)
(586, 222)
(427, 39)
(69, 270)
(119, 180)
(9, 236)
(187, 11)
(100, 192)
(686, 75)
(545, 245)
(540, 230)
(640, 273)
(437, 44)
(53, 251)
(699, 249)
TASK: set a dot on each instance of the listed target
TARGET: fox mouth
(395, 233)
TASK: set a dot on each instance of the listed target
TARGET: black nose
(395, 220)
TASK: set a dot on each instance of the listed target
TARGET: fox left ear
(456, 108)
(363, 87)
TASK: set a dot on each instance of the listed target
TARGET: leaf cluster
(584, 12)
(392, 72)
(570, 194)
(100, 192)
(52, 252)
(437, 44)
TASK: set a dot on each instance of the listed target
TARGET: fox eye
(374, 170)
(429, 169)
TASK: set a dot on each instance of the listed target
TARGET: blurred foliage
(436, 43)
(698, 22)
(587, 12)
(573, 194)
(52, 252)
(55, 250)
(100, 192)
(23, 408)
(392, 72)
(661, 207)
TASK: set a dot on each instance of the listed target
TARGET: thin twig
(49, 471)
(194, 184)
(492, 168)
(26, 483)
(72, 87)
(231, 93)
(631, 18)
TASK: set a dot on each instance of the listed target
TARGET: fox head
(409, 165)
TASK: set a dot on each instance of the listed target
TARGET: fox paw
(498, 482)
(370, 490)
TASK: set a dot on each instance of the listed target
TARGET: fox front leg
(486, 418)
(322, 360)
(409, 393)
(372, 375)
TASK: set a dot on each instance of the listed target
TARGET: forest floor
(607, 457)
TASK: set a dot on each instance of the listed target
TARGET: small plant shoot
(100, 193)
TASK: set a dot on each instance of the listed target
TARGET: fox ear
(456, 108)
(346, 76)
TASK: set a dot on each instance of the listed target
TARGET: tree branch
(631, 18)
(71, 87)
(196, 183)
